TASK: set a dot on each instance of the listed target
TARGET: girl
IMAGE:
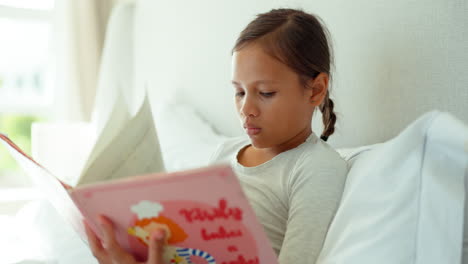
(293, 179)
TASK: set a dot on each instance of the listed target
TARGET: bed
(401, 95)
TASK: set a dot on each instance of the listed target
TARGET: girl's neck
(293, 142)
(251, 156)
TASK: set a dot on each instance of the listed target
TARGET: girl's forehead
(253, 64)
(251, 54)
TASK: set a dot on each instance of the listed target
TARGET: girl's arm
(314, 196)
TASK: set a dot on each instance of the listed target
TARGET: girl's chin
(257, 143)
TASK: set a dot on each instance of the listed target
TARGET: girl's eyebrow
(257, 82)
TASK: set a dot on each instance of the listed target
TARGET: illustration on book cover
(218, 231)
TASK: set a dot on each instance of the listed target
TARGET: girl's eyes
(240, 94)
(269, 94)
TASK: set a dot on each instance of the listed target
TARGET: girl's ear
(319, 88)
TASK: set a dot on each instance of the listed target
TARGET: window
(26, 77)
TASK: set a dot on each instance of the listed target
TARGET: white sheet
(403, 200)
(38, 235)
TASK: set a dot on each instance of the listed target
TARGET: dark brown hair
(299, 40)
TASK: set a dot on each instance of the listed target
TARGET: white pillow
(351, 154)
(403, 199)
(186, 139)
(42, 236)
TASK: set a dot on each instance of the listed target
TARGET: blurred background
(49, 58)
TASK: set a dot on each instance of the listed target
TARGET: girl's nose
(249, 107)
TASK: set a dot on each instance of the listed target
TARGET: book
(117, 146)
(204, 211)
(125, 146)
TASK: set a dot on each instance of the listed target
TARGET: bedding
(38, 235)
(403, 200)
(351, 154)
(465, 225)
(186, 139)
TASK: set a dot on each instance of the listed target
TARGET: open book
(204, 210)
(125, 146)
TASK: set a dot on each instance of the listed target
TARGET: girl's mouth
(252, 131)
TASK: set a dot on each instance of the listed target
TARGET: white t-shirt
(295, 195)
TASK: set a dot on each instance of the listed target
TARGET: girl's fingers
(112, 247)
(156, 246)
(96, 247)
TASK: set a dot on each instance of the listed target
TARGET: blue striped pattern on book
(187, 252)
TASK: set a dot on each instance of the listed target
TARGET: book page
(52, 188)
(116, 120)
(134, 150)
(62, 148)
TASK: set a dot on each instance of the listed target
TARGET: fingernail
(102, 224)
(101, 220)
(158, 235)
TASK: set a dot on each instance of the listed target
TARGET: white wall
(394, 60)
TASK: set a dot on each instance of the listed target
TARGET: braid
(328, 117)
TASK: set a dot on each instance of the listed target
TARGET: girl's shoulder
(228, 148)
(315, 151)
(321, 159)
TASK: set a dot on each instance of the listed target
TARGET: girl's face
(273, 106)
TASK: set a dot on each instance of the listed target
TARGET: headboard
(393, 60)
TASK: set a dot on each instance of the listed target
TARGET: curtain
(79, 28)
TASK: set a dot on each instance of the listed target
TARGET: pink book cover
(204, 211)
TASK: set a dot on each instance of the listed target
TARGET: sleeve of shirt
(314, 195)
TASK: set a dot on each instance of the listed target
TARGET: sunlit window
(31, 4)
(26, 79)
(24, 64)
(26, 76)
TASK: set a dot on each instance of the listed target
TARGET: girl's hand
(110, 252)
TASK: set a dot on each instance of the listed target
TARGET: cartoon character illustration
(149, 219)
